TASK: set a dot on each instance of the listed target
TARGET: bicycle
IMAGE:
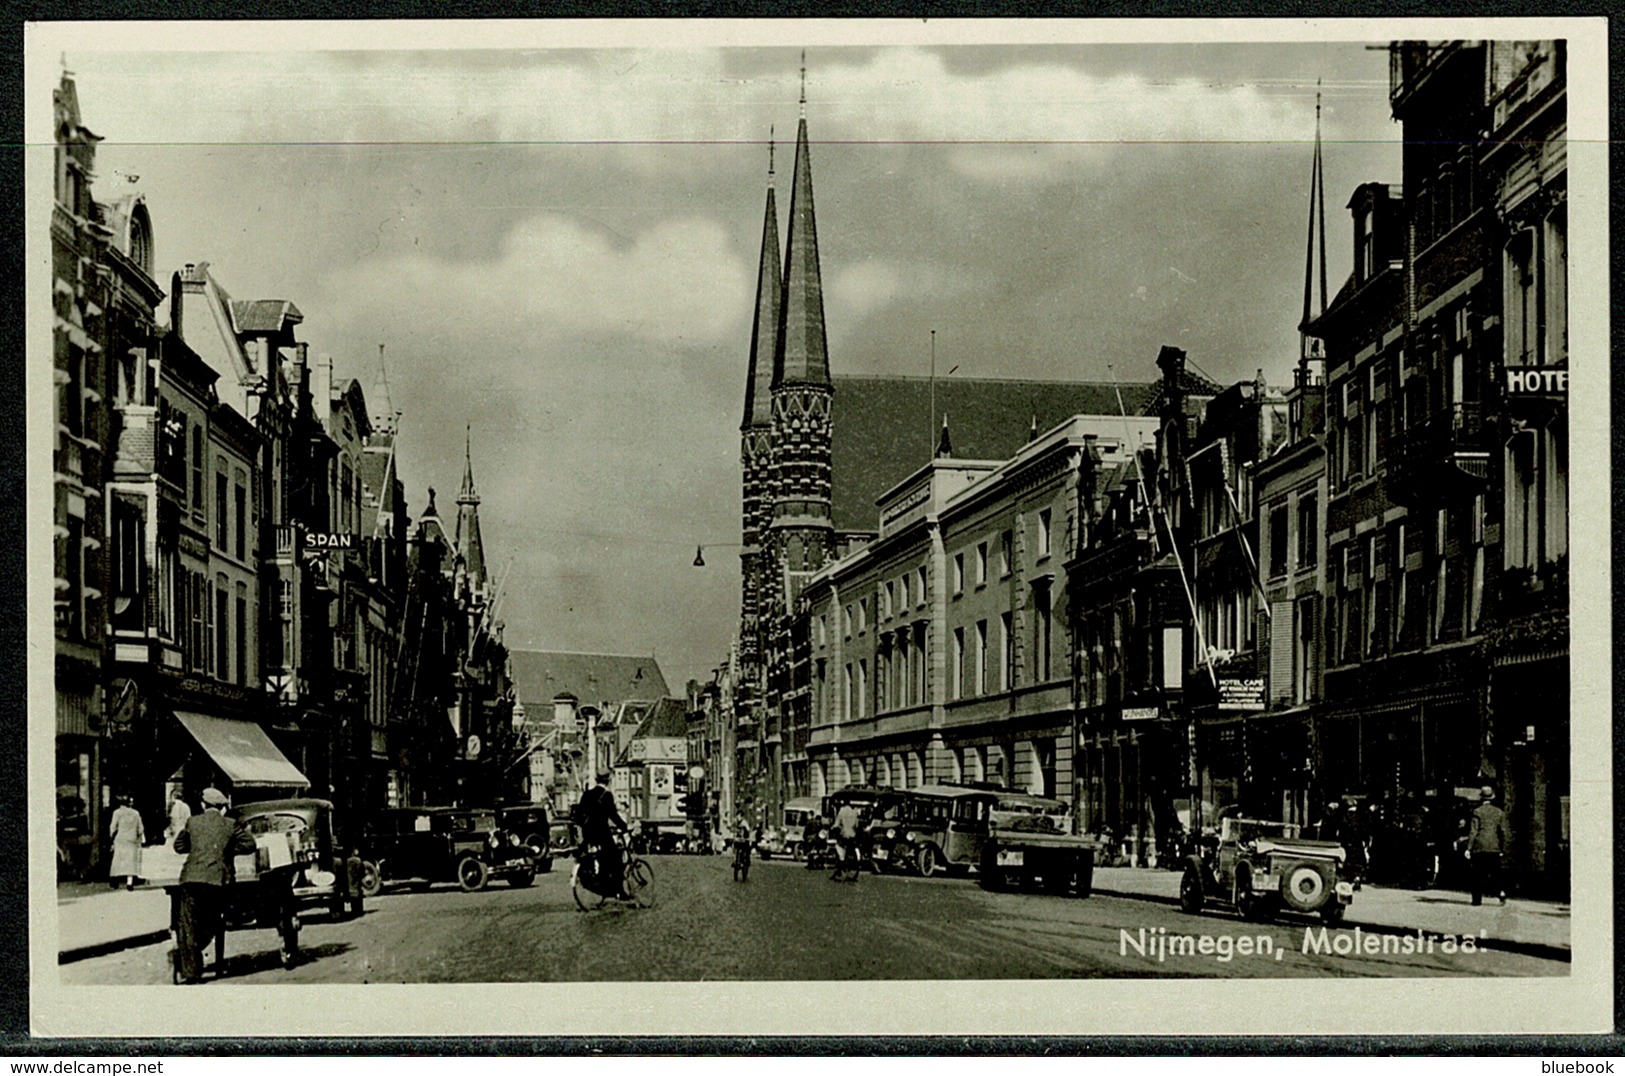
(591, 892)
(850, 860)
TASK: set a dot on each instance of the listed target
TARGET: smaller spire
(1032, 431)
(945, 445)
(803, 83)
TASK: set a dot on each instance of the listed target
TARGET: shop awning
(242, 750)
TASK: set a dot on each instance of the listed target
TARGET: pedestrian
(208, 841)
(355, 872)
(179, 812)
(128, 835)
(741, 865)
(1352, 833)
(1488, 837)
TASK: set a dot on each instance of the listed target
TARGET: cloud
(860, 290)
(672, 96)
(679, 280)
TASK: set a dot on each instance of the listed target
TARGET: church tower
(802, 532)
(470, 549)
(756, 431)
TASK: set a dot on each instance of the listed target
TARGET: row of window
(213, 623)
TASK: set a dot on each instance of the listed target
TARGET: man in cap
(1488, 838)
(600, 818)
(209, 841)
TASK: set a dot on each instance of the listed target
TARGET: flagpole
(931, 433)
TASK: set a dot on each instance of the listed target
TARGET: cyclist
(600, 819)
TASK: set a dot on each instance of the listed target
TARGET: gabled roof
(882, 427)
(540, 676)
(667, 719)
(264, 315)
(377, 482)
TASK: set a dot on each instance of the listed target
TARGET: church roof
(882, 427)
(802, 355)
(764, 332)
(540, 676)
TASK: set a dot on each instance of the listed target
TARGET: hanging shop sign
(1547, 382)
(1236, 693)
(1139, 713)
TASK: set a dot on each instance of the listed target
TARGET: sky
(557, 248)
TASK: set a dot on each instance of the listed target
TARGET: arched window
(141, 239)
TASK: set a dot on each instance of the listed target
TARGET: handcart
(259, 897)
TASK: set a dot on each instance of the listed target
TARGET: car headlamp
(513, 839)
(891, 834)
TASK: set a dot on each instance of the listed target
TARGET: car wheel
(472, 874)
(544, 865)
(372, 879)
(335, 905)
(521, 879)
(1191, 896)
(926, 862)
(1333, 912)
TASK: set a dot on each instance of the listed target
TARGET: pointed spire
(468, 495)
(802, 355)
(945, 444)
(803, 84)
(1317, 215)
(1032, 431)
(764, 333)
(468, 544)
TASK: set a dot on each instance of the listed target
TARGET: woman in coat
(128, 836)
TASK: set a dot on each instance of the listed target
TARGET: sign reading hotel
(1543, 381)
(1238, 694)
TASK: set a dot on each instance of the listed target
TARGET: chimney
(321, 391)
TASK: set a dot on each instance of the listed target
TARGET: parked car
(445, 844)
(563, 838)
(530, 822)
(820, 850)
(1260, 867)
(1030, 843)
(318, 871)
(931, 828)
(771, 843)
(798, 815)
(660, 838)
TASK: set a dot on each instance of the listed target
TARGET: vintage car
(317, 864)
(1260, 867)
(660, 837)
(798, 815)
(1030, 844)
(931, 828)
(531, 824)
(445, 844)
(818, 840)
(563, 838)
